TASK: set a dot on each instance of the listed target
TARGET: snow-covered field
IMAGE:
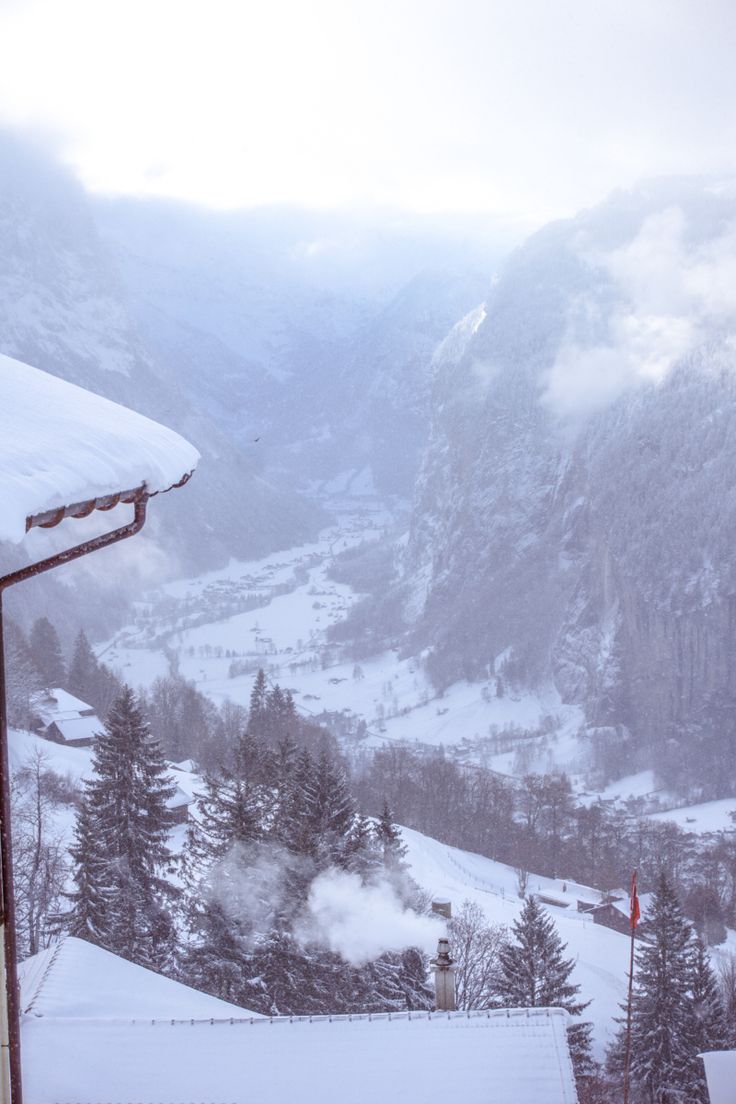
(202, 627)
(601, 955)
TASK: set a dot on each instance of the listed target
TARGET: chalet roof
(75, 1049)
(74, 978)
(60, 445)
(181, 797)
(59, 705)
(79, 728)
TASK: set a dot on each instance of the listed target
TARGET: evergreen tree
(534, 974)
(664, 1068)
(83, 670)
(392, 847)
(47, 654)
(711, 1029)
(121, 851)
(23, 679)
(257, 708)
(333, 812)
(215, 959)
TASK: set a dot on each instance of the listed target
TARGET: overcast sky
(528, 108)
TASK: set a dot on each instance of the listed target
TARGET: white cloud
(670, 292)
(531, 109)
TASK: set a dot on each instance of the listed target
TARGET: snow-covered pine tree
(22, 676)
(82, 669)
(334, 812)
(47, 655)
(533, 973)
(121, 851)
(392, 847)
(664, 1067)
(257, 707)
(711, 1029)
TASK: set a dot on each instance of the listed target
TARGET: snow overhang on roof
(65, 452)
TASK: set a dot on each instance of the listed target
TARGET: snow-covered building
(58, 716)
(98, 1028)
(615, 913)
(179, 804)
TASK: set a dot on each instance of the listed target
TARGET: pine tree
(711, 1030)
(392, 847)
(664, 1068)
(47, 655)
(23, 679)
(333, 812)
(121, 851)
(257, 708)
(534, 974)
(82, 669)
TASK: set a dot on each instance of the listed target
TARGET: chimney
(444, 977)
(442, 906)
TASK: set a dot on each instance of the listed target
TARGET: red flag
(635, 910)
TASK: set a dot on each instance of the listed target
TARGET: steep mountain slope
(63, 309)
(573, 512)
(303, 330)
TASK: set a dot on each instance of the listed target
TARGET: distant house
(64, 719)
(178, 805)
(99, 1028)
(615, 913)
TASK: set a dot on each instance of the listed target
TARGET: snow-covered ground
(600, 954)
(274, 613)
(710, 816)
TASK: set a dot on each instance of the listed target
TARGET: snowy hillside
(573, 514)
(601, 955)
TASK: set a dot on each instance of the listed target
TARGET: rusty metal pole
(10, 1076)
(11, 1085)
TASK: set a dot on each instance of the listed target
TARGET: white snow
(74, 979)
(600, 954)
(61, 444)
(720, 1071)
(710, 816)
(93, 1032)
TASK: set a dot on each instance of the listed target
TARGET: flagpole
(633, 920)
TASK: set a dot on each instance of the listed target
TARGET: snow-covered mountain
(64, 309)
(308, 335)
(575, 508)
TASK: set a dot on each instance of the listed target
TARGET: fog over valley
(415, 697)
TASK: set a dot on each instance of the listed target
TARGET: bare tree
(474, 946)
(39, 854)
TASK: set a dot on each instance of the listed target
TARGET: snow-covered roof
(79, 728)
(59, 705)
(486, 1058)
(720, 1072)
(624, 905)
(74, 978)
(95, 1029)
(181, 797)
(60, 445)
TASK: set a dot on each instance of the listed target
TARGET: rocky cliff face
(575, 509)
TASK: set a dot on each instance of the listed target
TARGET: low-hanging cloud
(670, 293)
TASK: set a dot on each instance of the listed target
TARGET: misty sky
(528, 108)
